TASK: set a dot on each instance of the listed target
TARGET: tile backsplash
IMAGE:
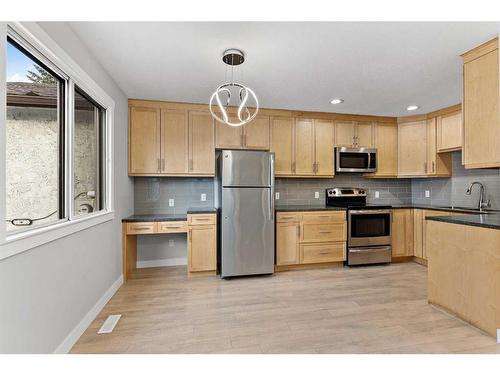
(152, 194)
(451, 191)
(298, 191)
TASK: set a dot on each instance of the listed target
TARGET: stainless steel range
(368, 226)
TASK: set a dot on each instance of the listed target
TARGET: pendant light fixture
(233, 94)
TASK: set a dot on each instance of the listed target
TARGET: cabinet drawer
(172, 227)
(329, 232)
(287, 217)
(322, 252)
(201, 219)
(141, 228)
(323, 217)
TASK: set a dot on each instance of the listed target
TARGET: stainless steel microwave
(355, 159)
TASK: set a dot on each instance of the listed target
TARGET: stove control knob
(361, 192)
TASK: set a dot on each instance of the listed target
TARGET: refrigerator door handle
(271, 201)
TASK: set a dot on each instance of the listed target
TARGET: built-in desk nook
(200, 225)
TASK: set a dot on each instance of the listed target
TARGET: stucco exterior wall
(32, 161)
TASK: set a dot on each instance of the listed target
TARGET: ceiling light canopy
(233, 94)
(337, 101)
(412, 107)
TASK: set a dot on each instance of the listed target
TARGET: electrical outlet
(427, 194)
(171, 202)
(203, 197)
(171, 243)
(316, 194)
(377, 194)
(277, 195)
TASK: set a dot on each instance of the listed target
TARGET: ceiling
(378, 68)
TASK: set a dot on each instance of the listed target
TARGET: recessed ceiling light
(337, 101)
(412, 107)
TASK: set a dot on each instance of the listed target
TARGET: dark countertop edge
(307, 208)
(470, 220)
(168, 217)
(446, 209)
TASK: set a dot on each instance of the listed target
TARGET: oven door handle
(369, 249)
(368, 212)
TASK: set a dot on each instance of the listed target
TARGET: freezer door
(247, 246)
(246, 168)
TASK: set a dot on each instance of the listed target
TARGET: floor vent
(109, 324)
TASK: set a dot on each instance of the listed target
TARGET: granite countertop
(169, 217)
(307, 208)
(491, 221)
(444, 208)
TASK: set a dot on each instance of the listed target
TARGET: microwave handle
(369, 159)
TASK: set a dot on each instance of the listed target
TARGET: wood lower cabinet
(252, 136)
(202, 243)
(310, 237)
(420, 229)
(287, 243)
(402, 232)
(481, 112)
(144, 140)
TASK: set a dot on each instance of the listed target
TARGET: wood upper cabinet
(412, 148)
(385, 140)
(402, 232)
(437, 164)
(174, 142)
(345, 133)
(228, 137)
(201, 143)
(170, 141)
(481, 115)
(256, 134)
(353, 134)
(144, 140)
(364, 134)
(449, 132)
(304, 147)
(323, 147)
(252, 136)
(282, 139)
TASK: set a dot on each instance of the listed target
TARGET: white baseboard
(162, 262)
(75, 334)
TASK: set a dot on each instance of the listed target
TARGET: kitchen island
(464, 268)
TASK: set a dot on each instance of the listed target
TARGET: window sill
(24, 241)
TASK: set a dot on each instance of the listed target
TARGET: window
(88, 154)
(34, 141)
(57, 140)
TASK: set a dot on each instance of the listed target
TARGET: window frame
(36, 41)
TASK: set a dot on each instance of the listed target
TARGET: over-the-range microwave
(355, 159)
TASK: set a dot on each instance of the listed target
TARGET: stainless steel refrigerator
(246, 205)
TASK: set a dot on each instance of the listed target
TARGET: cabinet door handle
(425, 167)
(245, 140)
(433, 166)
(325, 232)
(190, 164)
(163, 164)
(158, 167)
(242, 140)
(293, 167)
(190, 233)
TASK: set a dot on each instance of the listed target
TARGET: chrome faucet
(481, 204)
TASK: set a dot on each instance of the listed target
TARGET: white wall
(45, 292)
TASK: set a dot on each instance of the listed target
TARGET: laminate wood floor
(377, 309)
